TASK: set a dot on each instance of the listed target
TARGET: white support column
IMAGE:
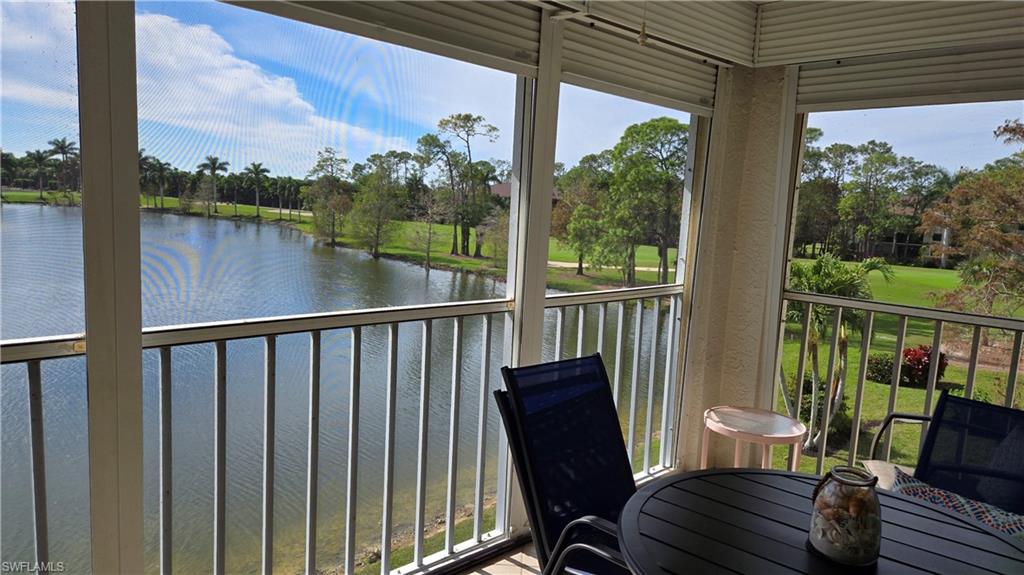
(732, 336)
(787, 177)
(113, 309)
(532, 184)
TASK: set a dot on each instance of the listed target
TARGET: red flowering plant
(916, 364)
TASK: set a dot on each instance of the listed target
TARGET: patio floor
(520, 561)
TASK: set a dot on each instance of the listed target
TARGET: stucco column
(727, 359)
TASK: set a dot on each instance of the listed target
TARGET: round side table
(751, 425)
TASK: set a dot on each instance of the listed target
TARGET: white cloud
(38, 74)
(53, 97)
(411, 86)
(196, 96)
(190, 78)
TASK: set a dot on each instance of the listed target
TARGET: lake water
(195, 270)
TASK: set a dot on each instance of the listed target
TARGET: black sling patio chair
(569, 454)
(972, 448)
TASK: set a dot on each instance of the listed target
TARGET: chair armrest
(603, 551)
(889, 419)
(598, 524)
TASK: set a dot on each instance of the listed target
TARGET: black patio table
(755, 521)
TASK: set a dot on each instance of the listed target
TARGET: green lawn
(912, 286)
(646, 256)
(990, 385)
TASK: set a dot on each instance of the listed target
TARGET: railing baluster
(559, 330)
(670, 350)
(421, 451)
(269, 426)
(453, 437)
(801, 369)
(389, 450)
(580, 325)
(826, 399)
(933, 377)
(894, 385)
(865, 349)
(801, 363)
(481, 432)
(352, 467)
(619, 328)
(649, 420)
(972, 366)
(166, 491)
(35, 409)
(504, 480)
(1011, 377)
(219, 445)
(602, 315)
(313, 454)
(635, 380)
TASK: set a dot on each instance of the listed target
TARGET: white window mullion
(113, 314)
(529, 227)
(534, 202)
(686, 264)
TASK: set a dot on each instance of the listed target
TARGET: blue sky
(246, 86)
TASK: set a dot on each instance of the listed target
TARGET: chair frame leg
(704, 448)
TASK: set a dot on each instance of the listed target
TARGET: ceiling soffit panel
(791, 32)
(501, 35)
(945, 76)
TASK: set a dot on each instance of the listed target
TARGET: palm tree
(828, 275)
(39, 161)
(63, 148)
(255, 172)
(485, 175)
(281, 185)
(159, 171)
(145, 166)
(213, 164)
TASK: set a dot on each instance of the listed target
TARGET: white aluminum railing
(33, 351)
(840, 305)
(637, 298)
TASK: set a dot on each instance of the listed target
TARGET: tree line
(608, 205)
(50, 169)
(439, 182)
(853, 200)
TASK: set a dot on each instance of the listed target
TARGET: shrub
(914, 373)
(880, 367)
(917, 363)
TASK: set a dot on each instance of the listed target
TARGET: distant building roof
(504, 191)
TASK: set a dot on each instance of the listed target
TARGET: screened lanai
(362, 437)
